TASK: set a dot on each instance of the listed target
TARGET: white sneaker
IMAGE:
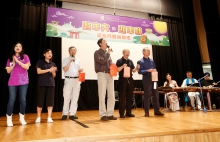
(9, 121)
(49, 120)
(22, 120)
(38, 120)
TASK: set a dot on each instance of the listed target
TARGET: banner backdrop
(92, 26)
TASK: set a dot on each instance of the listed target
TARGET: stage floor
(123, 129)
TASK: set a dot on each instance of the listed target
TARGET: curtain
(212, 21)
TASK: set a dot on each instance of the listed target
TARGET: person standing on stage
(71, 67)
(146, 66)
(102, 62)
(192, 95)
(46, 70)
(126, 84)
(17, 66)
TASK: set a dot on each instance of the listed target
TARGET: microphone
(108, 47)
(73, 57)
(202, 77)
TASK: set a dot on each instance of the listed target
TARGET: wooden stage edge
(173, 127)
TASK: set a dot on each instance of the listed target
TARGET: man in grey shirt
(102, 62)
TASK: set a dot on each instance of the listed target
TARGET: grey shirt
(102, 61)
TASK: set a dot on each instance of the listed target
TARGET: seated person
(172, 96)
(209, 83)
(192, 95)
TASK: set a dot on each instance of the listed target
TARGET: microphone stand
(200, 87)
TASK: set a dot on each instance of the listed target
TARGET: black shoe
(146, 115)
(64, 117)
(72, 117)
(112, 118)
(104, 118)
(122, 116)
(158, 113)
(130, 115)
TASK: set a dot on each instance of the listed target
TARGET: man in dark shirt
(102, 62)
(126, 85)
(207, 82)
(146, 67)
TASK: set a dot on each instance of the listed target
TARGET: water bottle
(205, 110)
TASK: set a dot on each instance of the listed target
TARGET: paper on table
(127, 72)
(154, 76)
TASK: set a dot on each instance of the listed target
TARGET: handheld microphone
(108, 47)
(73, 57)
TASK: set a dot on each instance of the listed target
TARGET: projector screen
(86, 49)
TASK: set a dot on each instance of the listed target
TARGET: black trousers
(148, 89)
(45, 92)
(126, 87)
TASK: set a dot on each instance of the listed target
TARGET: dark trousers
(148, 88)
(126, 87)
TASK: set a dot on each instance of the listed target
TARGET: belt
(71, 77)
(105, 71)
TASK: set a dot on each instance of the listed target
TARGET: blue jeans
(12, 96)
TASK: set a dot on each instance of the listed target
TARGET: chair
(116, 99)
(167, 103)
(134, 102)
(116, 96)
(166, 100)
(186, 99)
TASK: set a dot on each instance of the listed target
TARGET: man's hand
(109, 49)
(124, 65)
(80, 70)
(72, 59)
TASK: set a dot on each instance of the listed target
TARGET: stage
(181, 126)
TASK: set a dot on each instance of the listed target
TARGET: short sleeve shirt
(122, 61)
(45, 79)
(19, 75)
(74, 67)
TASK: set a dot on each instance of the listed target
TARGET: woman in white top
(172, 96)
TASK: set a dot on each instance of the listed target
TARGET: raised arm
(24, 65)
(66, 63)
(134, 69)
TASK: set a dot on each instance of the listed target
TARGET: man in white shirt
(71, 67)
(192, 95)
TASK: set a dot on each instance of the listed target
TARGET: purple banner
(92, 26)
